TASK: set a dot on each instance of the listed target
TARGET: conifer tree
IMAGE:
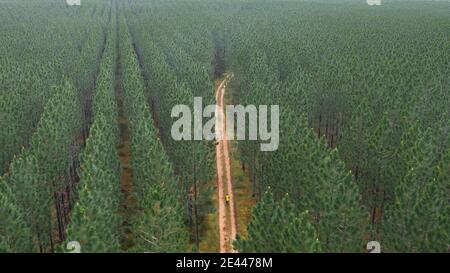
(15, 236)
(418, 219)
(277, 227)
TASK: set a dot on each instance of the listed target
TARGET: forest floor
(243, 191)
(128, 206)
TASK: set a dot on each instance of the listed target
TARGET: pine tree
(277, 227)
(15, 236)
(95, 222)
(417, 221)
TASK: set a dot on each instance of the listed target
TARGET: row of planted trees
(360, 89)
(37, 190)
(381, 101)
(73, 113)
(173, 76)
(321, 191)
(96, 223)
(364, 148)
(159, 227)
(35, 59)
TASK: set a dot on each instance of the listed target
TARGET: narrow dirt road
(227, 229)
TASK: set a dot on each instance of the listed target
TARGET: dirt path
(227, 229)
